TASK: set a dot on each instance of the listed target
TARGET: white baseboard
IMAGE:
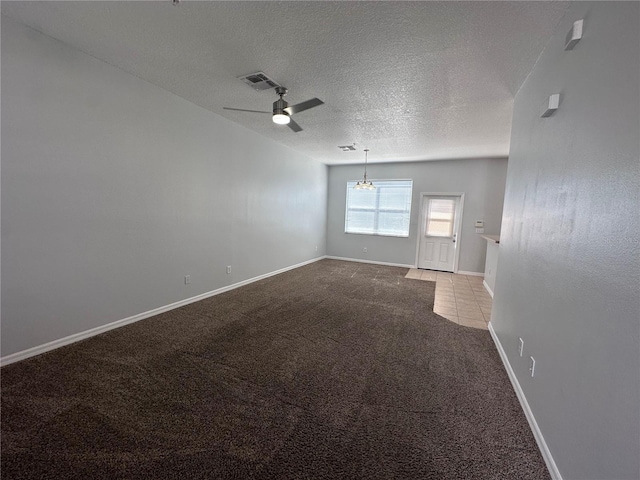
(542, 445)
(486, 286)
(370, 261)
(472, 274)
(76, 337)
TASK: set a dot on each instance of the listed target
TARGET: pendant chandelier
(364, 184)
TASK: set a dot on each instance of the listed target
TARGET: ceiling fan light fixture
(282, 112)
(281, 118)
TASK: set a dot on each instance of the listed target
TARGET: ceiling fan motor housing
(279, 106)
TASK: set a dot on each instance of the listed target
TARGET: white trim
(460, 218)
(471, 274)
(542, 445)
(330, 257)
(487, 288)
(76, 337)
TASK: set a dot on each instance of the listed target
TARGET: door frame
(458, 228)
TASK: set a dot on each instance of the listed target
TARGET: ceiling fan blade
(301, 107)
(245, 110)
(294, 126)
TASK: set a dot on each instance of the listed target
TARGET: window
(440, 217)
(386, 210)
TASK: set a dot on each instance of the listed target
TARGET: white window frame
(377, 210)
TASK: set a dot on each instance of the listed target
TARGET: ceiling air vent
(259, 81)
(347, 148)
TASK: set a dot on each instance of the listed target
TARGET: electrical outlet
(316, 248)
(364, 249)
(532, 365)
(187, 279)
(520, 346)
(228, 269)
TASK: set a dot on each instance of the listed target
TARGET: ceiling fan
(282, 111)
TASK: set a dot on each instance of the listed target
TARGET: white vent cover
(259, 81)
(347, 148)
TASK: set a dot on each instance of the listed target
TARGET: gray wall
(491, 265)
(481, 180)
(114, 189)
(568, 273)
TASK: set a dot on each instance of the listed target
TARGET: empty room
(324, 240)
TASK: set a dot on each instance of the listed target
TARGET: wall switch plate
(187, 279)
(364, 249)
(479, 230)
(532, 365)
(520, 346)
(228, 269)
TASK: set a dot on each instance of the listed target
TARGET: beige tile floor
(459, 298)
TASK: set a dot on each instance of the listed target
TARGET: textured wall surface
(481, 180)
(113, 190)
(568, 273)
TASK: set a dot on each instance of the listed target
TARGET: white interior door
(439, 225)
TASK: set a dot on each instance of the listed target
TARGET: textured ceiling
(410, 80)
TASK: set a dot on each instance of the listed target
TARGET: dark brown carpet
(335, 370)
